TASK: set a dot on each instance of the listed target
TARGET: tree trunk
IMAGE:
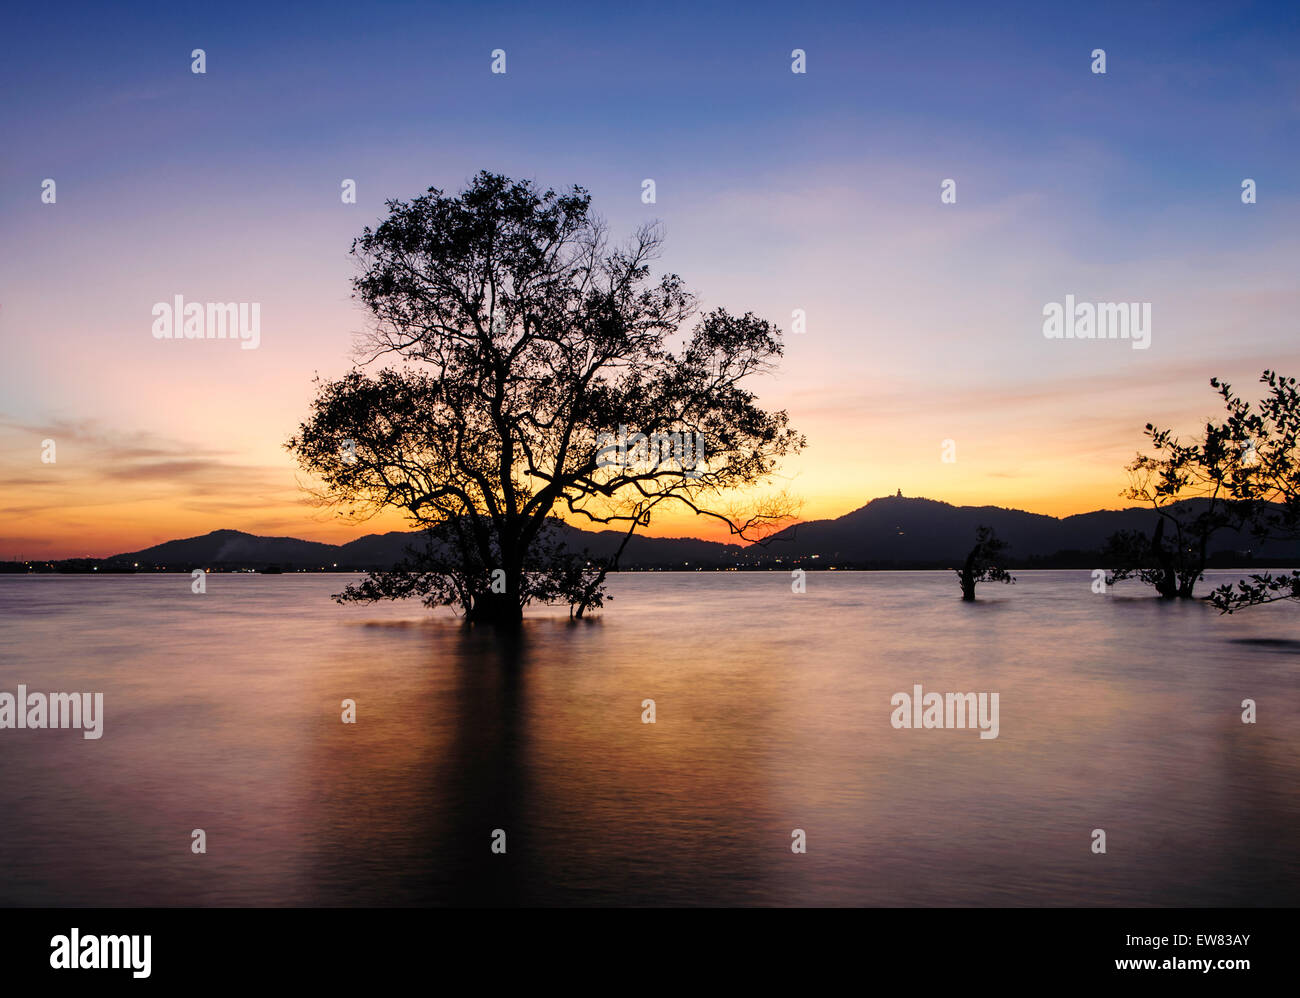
(1167, 586)
(968, 576)
(495, 610)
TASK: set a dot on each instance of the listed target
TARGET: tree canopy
(523, 350)
(1241, 473)
(1268, 480)
(1197, 488)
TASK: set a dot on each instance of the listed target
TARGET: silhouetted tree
(1268, 481)
(982, 563)
(1133, 555)
(524, 339)
(1196, 489)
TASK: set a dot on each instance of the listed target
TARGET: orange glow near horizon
(110, 492)
(109, 495)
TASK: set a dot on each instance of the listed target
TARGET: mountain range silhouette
(890, 532)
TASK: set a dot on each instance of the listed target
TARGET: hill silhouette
(236, 549)
(901, 530)
(894, 531)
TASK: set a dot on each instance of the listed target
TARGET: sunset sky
(778, 191)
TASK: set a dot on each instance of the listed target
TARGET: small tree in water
(1135, 556)
(1267, 437)
(982, 564)
(1196, 489)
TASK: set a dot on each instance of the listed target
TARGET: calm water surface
(222, 712)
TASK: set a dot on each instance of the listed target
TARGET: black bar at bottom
(906, 947)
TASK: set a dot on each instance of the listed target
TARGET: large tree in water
(535, 370)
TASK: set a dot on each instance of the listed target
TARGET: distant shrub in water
(982, 563)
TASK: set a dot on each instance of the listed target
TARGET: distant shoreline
(5, 570)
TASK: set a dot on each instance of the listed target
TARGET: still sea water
(223, 712)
